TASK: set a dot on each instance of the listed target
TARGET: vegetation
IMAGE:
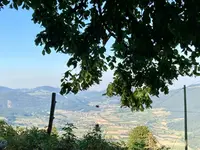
(141, 135)
(115, 121)
(34, 138)
(141, 138)
(153, 43)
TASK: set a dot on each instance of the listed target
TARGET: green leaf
(15, 6)
(111, 65)
(105, 68)
(108, 58)
(48, 50)
(19, 2)
(102, 50)
(6, 2)
(43, 52)
(109, 91)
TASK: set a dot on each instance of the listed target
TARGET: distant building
(9, 104)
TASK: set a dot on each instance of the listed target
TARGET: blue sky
(22, 63)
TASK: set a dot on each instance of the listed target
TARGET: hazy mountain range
(40, 97)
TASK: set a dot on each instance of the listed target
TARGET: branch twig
(104, 24)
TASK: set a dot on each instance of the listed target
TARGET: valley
(30, 107)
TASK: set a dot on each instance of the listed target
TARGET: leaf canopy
(155, 41)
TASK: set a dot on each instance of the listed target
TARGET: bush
(6, 131)
(140, 138)
(68, 140)
(38, 139)
(94, 141)
(33, 139)
(3, 143)
(26, 139)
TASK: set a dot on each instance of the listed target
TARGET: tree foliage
(141, 138)
(138, 137)
(145, 53)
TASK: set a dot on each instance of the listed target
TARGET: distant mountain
(39, 99)
(174, 101)
(5, 89)
(48, 88)
(39, 95)
(194, 85)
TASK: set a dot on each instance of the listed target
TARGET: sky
(22, 64)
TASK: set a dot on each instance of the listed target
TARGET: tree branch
(103, 22)
(106, 26)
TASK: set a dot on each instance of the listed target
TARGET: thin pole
(185, 116)
(51, 117)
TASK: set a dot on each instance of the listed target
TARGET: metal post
(51, 117)
(185, 118)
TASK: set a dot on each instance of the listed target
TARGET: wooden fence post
(51, 117)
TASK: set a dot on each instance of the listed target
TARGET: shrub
(33, 139)
(6, 131)
(68, 140)
(94, 141)
(38, 139)
(140, 138)
(3, 143)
